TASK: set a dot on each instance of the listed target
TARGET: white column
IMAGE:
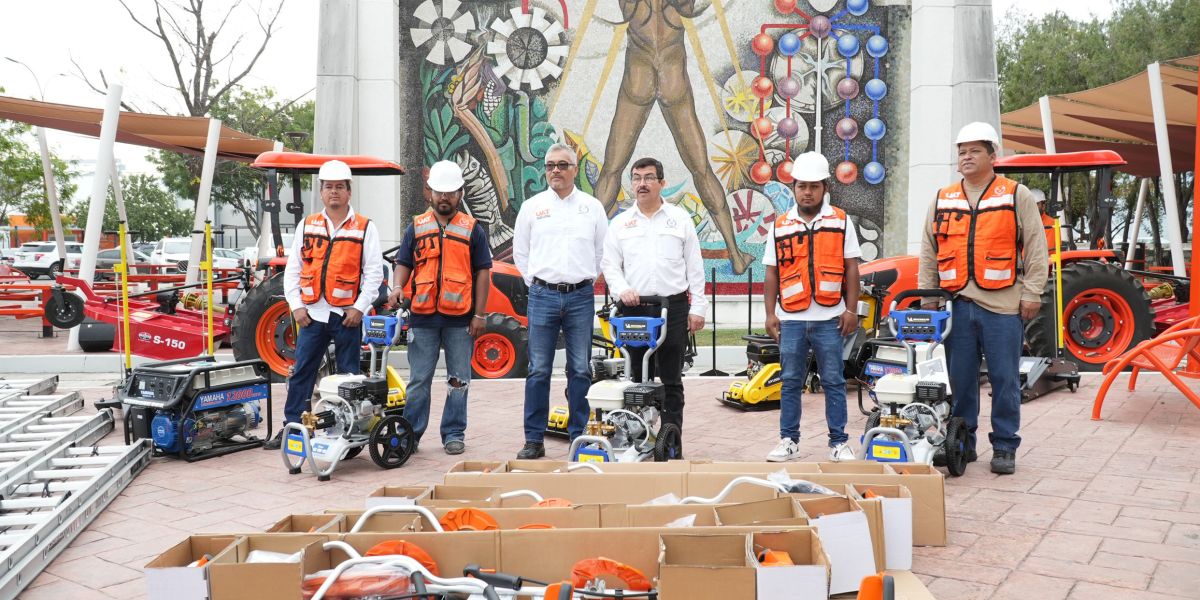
(206, 177)
(52, 195)
(1135, 226)
(1047, 125)
(95, 220)
(379, 107)
(119, 197)
(1174, 233)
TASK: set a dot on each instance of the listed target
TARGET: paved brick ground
(1097, 510)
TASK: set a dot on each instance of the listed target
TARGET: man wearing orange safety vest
(811, 296)
(1047, 221)
(332, 277)
(445, 254)
(984, 242)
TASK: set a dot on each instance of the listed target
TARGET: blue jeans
(977, 332)
(311, 345)
(825, 340)
(549, 312)
(423, 346)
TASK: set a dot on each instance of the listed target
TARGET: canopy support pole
(206, 179)
(1174, 233)
(95, 220)
(52, 195)
(122, 216)
(1135, 226)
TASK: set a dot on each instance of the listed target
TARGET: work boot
(453, 447)
(275, 442)
(1004, 462)
(532, 450)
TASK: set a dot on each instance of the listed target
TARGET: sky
(99, 35)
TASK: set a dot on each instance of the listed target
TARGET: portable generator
(764, 377)
(624, 424)
(196, 408)
(353, 412)
(911, 421)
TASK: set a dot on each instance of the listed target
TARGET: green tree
(257, 112)
(22, 187)
(152, 211)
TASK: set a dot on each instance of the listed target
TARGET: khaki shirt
(1031, 280)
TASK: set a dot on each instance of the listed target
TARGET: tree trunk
(1152, 209)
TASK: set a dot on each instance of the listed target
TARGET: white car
(175, 251)
(42, 259)
(250, 253)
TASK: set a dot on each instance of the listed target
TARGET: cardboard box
(384, 521)
(582, 488)
(846, 538)
(451, 551)
(231, 577)
(890, 517)
(320, 523)
(168, 576)
(777, 511)
(856, 467)
(396, 496)
(724, 566)
(460, 496)
(651, 515)
(478, 466)
(764, 467)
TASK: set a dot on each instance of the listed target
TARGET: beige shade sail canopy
(177, 134)
(1118, 117)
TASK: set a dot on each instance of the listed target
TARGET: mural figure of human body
(656, 71)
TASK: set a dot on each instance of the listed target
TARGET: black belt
(562, 287)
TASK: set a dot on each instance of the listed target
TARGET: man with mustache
(977, 230)
(557, 246)
(811, 296)
(652, 250)
(332, 276)
(445, 255)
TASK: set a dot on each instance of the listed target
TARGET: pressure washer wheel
(955, 446)
(669, 445)
(391, 442)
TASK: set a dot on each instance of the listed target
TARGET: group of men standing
(983, 242)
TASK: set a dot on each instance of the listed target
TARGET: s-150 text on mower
(353, 411)
(624, 426)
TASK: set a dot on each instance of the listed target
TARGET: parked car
(105, 259)
(169, 251)
(8, 256)
(42, 259)
(250, 253)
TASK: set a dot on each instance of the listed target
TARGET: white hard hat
(978, 132)
(445, 176)
(1038, 195)
(810, 166)
(334, 170)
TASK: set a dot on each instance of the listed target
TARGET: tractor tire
(262, 328)
(1105, 310)
(501, 351)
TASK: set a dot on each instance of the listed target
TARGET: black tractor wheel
(955, 446)
(262, 328)
(1105, 311)
(669, 445)
(392, 441)
(502, 349)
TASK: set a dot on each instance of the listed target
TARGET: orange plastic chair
(1164, 354)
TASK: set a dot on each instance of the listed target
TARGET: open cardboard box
(777, 511)
(846, 537)
(319, 523)
(451, 551)
(657, 515)
(580, 487)
(721, 566)
(384, 520)
(889, 514)
(396, 496)
(460, 496)
(168, 576)
(232, 577)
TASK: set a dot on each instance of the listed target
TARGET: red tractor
(1106, 309)
(262, 324)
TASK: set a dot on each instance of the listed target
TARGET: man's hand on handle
(630, 297)
(396, 297)
(300, 315)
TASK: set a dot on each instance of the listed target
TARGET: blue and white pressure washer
(911, 421)
(624, 424)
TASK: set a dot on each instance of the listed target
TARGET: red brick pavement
(1097, 510)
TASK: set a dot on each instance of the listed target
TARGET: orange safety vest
(442, 275)
(811, 260)
(1048, 226)
(332, 268)
(979, 244)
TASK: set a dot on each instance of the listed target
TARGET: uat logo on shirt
(631, 223)
(542, 214)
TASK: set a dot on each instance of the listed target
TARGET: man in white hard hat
(984, 242)
(332, 277)
(652, 250)
(445, 256)
(811, 296)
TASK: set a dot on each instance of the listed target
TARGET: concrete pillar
(953, 62)
(337, 113)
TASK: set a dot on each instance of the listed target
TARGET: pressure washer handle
(619, 306)
(931, 293)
